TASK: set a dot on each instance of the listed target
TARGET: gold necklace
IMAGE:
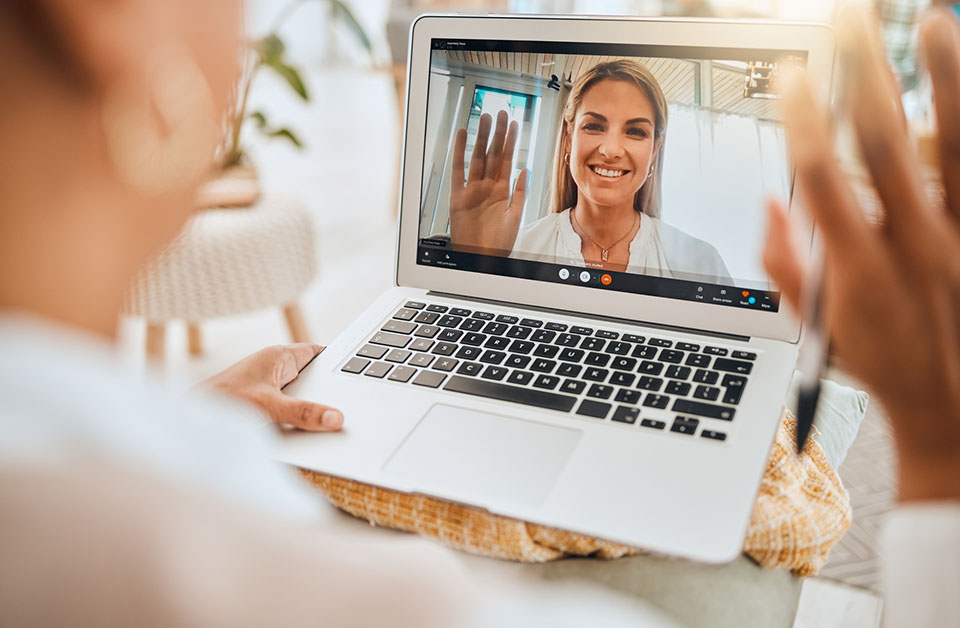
(604, 252)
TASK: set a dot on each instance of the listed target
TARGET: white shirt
(657, 249)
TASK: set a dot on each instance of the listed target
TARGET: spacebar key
(493, 390)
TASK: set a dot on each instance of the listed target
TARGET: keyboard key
(708, 393)
(519, 332)
(624, 364)
(355, 365)
(567, 340)
(569, 370)
(683, 425)
(415, 305)
(437, 308)
(449, 321)
(703, 409)
(656, 401)
(494, 372)
(427, 331)
(504, 318)
(427, 318)
(546, 351)
(734, 388)
(521, 346)
(520, 377)
(626, 414)
(468, 353)
(698, 360)
(653, 424)
(422, 360)
(593, 344)
(445, 364)
(471, 324)
(543, 335)
(542, 365)
(705, 377)
(402, 374)
(450, 335)
(622, 379)
(516, 394)
(470, 368)
(583, 331)
(606, 333)
(600, 391)
(732, 366)
(744, 355)
(671, 356)
(517, 361)
(644, 351)
(484, 316)
(675, 371)
(660, 342)
(618, 348)
(681, 389)
(650, 383)
(474, 339)
(633, 338)
(405, 314)
(459, 311)
(430, 379)
(547, 382)
(492, 357)
(625, 395)
(571, 355)
(421, 344)
(596, 359)
(686, 346)
(398, 356)
(390, 340)
(715, 350)
(715, 435)
(593, 409)
(531, 322)
(378, 370)
(555, 327)
(596, 375)
(650, 368)
(371, 351)
(497, 342)
(573, 386)
(444, 348)
(497, 329)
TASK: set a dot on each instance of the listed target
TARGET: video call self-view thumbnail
(644, 169)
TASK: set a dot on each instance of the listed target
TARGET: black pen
(817, 354)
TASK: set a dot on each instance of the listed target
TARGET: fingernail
(331, 419)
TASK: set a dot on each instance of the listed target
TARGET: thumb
(519, 192)
(304, 415)
(780, 256)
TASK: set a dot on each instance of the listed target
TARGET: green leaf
(259, 118)
(287, 134)
(342, 11)
(270, 48)
(291, 76)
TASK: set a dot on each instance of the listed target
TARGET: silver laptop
(582, 334)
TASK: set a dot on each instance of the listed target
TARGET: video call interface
(635, 168)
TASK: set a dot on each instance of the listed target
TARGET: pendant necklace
(604, 252)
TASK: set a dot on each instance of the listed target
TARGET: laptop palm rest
(482, 457)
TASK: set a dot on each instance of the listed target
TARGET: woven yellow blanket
(802, 510)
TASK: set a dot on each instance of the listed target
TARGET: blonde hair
(647, 199)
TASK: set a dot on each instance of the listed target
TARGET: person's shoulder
(685, 251)
(535, 236)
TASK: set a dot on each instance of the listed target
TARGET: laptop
(529, 363)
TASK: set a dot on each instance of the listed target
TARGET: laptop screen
(635, 168)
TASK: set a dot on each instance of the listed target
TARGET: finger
(828, 197)
(459, 148)
(291, 360)
(496, 146)
(884, 144)
(519, 193)
(478, 158)
(941, 50)
(780, 256)
(506, 165)
(304, 415)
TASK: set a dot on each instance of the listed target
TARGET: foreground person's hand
(892, 294)
(484, 217)
(259, 378)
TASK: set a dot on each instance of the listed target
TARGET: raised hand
(892, 294)
(484, 216)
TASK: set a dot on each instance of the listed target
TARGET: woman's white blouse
(657, 249)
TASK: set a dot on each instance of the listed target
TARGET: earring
(566, 159)
(159, 157)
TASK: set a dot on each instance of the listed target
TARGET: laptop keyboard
(596, 373)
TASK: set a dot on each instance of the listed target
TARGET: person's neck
(604, 223)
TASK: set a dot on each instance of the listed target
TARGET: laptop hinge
(597, 317)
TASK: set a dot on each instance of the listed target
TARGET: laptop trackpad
(482, 457)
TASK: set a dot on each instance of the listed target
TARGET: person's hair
(647, 199)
